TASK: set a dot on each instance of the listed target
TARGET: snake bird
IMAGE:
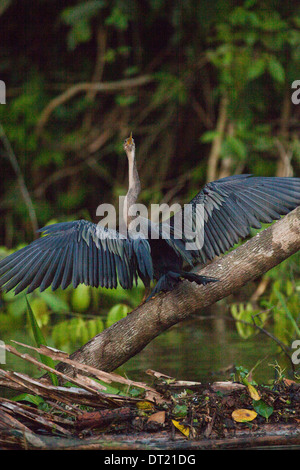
(83, 252)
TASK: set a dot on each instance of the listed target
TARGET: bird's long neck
(134, 187)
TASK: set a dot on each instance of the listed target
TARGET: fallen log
(103, 418)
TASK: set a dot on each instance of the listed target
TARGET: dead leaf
(163, 377)
(183, 429)
(158, 417)
(254, 394)
(145, 405)
(288, 382)
(159, 375)
(243, 415)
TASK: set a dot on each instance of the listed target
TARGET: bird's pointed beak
(128, 143)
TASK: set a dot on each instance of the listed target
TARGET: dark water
(204, 351)
(199, 350)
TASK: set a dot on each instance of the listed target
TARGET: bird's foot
(168, 281)
(200, 280)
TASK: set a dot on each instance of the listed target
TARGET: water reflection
(200, 350)
(204, 351)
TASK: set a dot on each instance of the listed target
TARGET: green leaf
(256, 68)
(116, 313)
(81, 298)
(131, 71)
(55, 303)
(34, 399)
(16, 306)
(275, 69)
(40, 340)
(81, 32)
(118, 19)
(88, 9)
(209, 136)
(233, 146)
(238, 16)
(94, 327)
(125, 100)
(288, 312)
(180, 411)
(110, 55)
(262, 408)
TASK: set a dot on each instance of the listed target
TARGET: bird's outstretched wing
(232, 206)
(76, 252)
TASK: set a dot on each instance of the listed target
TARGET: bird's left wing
(231, 206)
(75, 252)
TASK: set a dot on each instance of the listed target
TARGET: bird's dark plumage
(81, 252)
(234, 205)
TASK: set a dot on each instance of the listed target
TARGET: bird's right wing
(76, 252)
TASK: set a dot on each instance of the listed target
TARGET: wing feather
(76, 252)
(234, 205)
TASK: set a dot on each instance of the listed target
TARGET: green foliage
(262, 408)
(241, 373)
(75, 332)
(180, 411)
(284, 299)
(40, 341)
(81, 298)
(246, 318)
(118, 19)
(250, 53)
(78, 17)
(125, 100)
(39, 402)
(116, 313)
(170, 88)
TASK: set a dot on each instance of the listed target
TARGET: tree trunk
(118, 343)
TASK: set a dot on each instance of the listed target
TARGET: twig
(217, 142)
(280, 344)
(97, 75)
(24, 191)
(201, 113)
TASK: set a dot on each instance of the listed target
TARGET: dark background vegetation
(205, 89)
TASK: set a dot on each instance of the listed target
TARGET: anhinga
(83, 252)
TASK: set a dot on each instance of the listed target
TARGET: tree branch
(23, 188)
(115, 345)
(106, 87)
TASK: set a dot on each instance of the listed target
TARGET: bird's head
(129, 145)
